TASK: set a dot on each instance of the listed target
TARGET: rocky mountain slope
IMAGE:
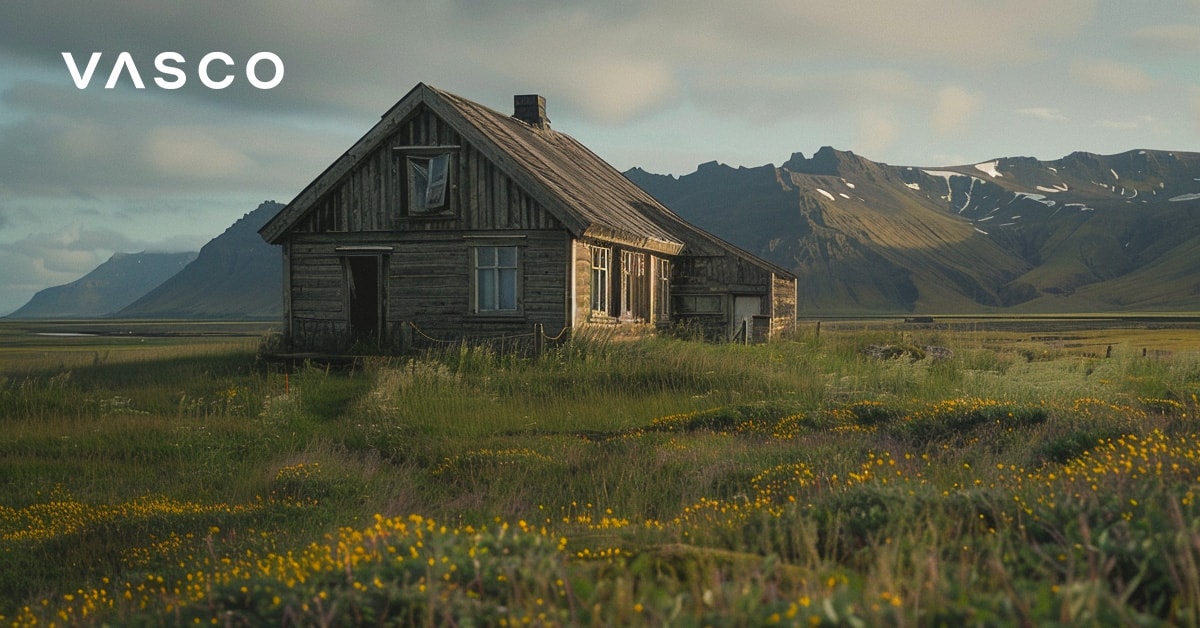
(236, 276)
(1084, 233)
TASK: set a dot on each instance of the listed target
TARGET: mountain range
(1085, 233)
(116, 283)
(235, 276)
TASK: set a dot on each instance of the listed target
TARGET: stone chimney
(531, 109)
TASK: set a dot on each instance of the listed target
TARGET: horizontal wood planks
(429, 279)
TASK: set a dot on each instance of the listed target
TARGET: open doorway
(364, 298)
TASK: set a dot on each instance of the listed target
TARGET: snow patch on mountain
(1062, 187)
(1036, 197)
(989, 169)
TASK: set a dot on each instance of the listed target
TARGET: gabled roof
(586, 194)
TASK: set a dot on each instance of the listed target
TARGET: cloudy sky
(665, 85)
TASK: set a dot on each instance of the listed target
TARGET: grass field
(964, 471)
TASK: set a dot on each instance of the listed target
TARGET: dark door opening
(362, 277)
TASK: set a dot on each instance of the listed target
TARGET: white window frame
(601, 279)
(633, 279)
(487, 268)
(662, 288)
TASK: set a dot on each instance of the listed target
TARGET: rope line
(490, 338)
(561, 333)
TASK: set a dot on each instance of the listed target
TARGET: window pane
(486, 286)
(506, 256)
(600, 291)
(508, 289)
(419, 180)
(439, 170)
(485, 257)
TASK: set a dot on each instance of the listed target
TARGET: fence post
(406, 336)
(539, 340)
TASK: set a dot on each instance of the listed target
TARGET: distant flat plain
(33, 345)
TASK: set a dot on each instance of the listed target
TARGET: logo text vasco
(216, 70)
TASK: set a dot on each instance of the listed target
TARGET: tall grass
(639, 482)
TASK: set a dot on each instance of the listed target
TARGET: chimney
(531, 109)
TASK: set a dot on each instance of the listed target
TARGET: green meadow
(860, 473)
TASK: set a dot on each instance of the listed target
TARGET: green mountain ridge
(106, 289)
(235, 276)
(1085, 233)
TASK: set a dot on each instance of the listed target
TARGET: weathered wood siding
(429, 285)
(783, 306)
(722, 276)
(372, 196)
(429, 265)
(583, 283)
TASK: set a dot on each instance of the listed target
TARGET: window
(635, 286)
(427, 182)
(662, 289)
(496, 279)
(698, 304)
(600, 288)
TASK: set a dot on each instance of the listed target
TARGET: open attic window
(428, 177)
(428, 170)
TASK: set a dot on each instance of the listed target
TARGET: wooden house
(451, 220)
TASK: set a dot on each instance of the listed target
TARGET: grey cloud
(1167, 39)
(587, 51)
(772, 96)
(66, 142)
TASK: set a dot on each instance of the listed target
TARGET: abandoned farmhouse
(452, 220)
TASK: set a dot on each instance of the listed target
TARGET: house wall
(429, 265)
(429, 285)
(642, 321)
(373, 195)
(704, 289)
(583, 283)
(783, 306)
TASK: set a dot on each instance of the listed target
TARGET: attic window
(428, 178)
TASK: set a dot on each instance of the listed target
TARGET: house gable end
(279, 225)
(375, 192)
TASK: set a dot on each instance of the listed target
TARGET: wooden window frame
(478, 308)
(699, 304)
(416, 157)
